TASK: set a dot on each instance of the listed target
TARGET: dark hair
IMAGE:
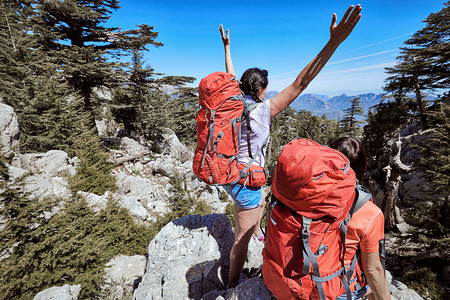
(353, 149)
(252, 80)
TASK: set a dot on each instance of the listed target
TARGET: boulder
(400, 291)
(9, 130)
(187, 258)
(65, 292)
(171, 145)
(152, 192)
(52, 163)
(132, 203)
(46, 186)
(253, 288)
(132, 147)
(123, 274)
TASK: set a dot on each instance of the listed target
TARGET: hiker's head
(353, 149)
(254, 83)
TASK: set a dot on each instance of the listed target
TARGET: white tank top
(260, 126)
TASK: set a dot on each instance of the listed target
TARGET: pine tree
(72, 32)
(424, 65)
(349, 124)
(435, 164)
(15, 54)
(182, 111)
(131, 99)
(30, 84)
(162, 109)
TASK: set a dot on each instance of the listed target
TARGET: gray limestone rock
(122, 274)
(132, 147)
(52, 163)
(9, 130)
(65, 292)
(152, 192)
(46, 186)
(253, 288)
(187, 258)
(172, 146)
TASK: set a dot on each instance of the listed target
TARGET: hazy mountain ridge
(332, 107)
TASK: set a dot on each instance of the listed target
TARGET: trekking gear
(313, 200)
(222, 109)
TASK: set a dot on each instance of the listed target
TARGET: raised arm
(338, 33)
(226, 44)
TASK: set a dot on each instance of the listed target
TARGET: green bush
(71, 247)
(4, 173)
(94, 169)
(229, 212)
(424, 281)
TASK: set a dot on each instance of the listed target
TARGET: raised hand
(339, 32)
(225, 39)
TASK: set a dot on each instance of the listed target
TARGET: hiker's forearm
(228, 62)
(374, 273)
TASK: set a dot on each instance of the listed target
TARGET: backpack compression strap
(361, 198)
(310, 258)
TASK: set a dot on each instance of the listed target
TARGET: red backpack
(222, 109)
(313, 199)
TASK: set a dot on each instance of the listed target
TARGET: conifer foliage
(94, 169)
(350, 125)
(84, 61)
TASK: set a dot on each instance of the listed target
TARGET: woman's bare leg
(245, 220)
(257, 230)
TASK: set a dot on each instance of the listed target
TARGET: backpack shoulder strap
(362, 196)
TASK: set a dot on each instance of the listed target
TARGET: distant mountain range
(331, 107)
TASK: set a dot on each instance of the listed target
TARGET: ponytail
(253, 80)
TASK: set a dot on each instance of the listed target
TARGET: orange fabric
(313, 180)
(316, 182)
(256, 175)
(366, 229)
(218, 164)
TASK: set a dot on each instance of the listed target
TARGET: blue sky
(280, 36)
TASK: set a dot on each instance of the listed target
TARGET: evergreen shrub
(71, 247)
(424, 282)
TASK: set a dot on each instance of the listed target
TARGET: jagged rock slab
(171, 145)
(253, 288)
(65, 292)
(122, 274)
(53, 163)
(45, 186)
(9, 130)
(187, 258)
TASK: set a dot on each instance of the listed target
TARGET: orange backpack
(222, 109)
(313, 199)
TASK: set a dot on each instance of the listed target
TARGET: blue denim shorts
(356, 294)
(245, 197)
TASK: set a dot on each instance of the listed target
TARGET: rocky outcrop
(253, 288)
(48, 173)
(122, 275)
(9, 130)
(65, 292)
(189, 257)
(400, 291)
(171, 145)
